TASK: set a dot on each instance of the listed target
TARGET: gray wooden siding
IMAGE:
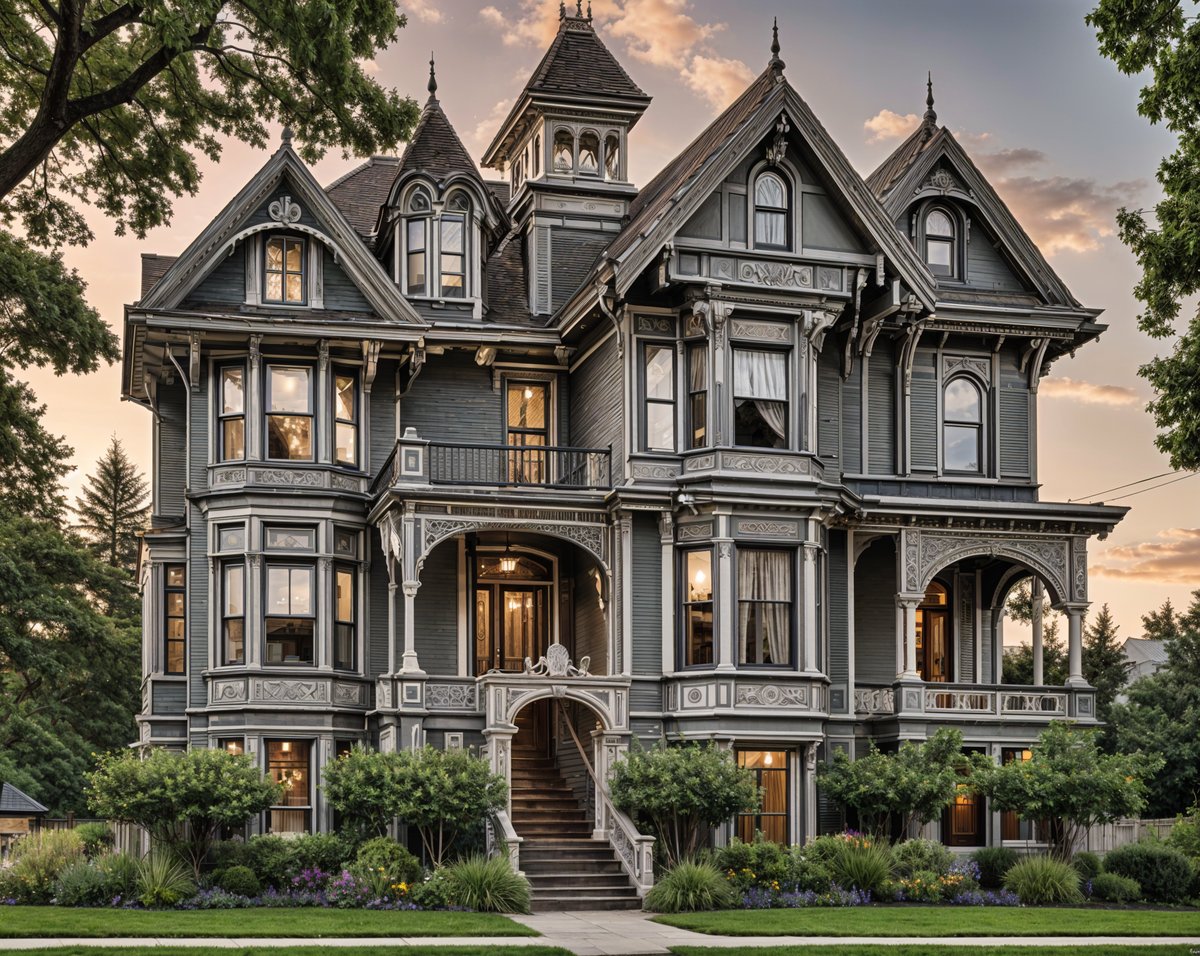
(986, 266)
(169, 698)
(340, 290)
(539, 270)
(571, 256)
(987, 640)
(596, 396)
(377, 601)
(197, 577)
(851, 421)
(923, 412)
(839, 604)
(964, 626)
(881, 411)
(382, 414)
(829, 412)
(822, 226)
(171, 473)
(647, 596)
(437, 611)
(452, 400)
(590, 633)
(225, 285)
(1014, 397)
(875, 613)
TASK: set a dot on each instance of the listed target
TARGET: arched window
(940, 248)
(589, 153)
(416, 243)
(564, 151)
(962, 426)
(770, 212)
(612, 156)
(453, 246)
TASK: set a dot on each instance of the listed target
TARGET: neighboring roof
(360, 193)
(154, 267)
(892, 169)
(1145, 649)
(13, 800)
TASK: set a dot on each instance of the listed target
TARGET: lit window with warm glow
(231, 413)
(697, 613)
(174, 617)
(232, 745)
(345, 414)
(770, 769)
(288, 765)
(284, 272)
(289, 413)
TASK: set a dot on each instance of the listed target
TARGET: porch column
(810, 608)
(1075, 613)
(725, 642)
(666, 538)
(906, 636)
(1036, 616)
(810, 792)
(409, 663)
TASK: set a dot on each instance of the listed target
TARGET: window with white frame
(233, 612)
(962, 425)
(453, 246)
(760, 397)
(231, 412)
(772, 212)
(344, 616)
(290, 620)
(658, 375)
(764, 585)
(697, 358)
(416, 242)
(941, 251)
(345, 416)
(284, 271)
(289, 412)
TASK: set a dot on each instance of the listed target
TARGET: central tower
(563, 148)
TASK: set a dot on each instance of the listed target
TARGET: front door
(512, 613)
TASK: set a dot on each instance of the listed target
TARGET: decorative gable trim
(220, 239)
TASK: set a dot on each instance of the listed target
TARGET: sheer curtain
(762, 376)
(765, 591)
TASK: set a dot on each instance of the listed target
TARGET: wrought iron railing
(537, 466)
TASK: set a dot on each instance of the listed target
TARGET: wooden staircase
(567, 869)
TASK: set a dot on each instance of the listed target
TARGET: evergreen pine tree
(1162, 624)
(1104, 663)
(113, 508)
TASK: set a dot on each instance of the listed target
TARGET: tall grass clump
(163, 880)
(689, 887)
(1043, 880)
(861, 865)
(487, 885)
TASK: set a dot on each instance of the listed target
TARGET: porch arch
(923, 554)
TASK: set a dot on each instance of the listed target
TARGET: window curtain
(765, 581)
(698, 376)
(762, 376)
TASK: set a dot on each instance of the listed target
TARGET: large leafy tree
(1104, 664)
(1162, 717)
(68, 661)
(112, 509)
(1069, 783)
(1160, 39)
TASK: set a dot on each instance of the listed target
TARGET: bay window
(764, 589)
(233, 612)
(290, 620)
(345, 414)
(283, 272)
(174, 617)
(289, 413)
(760, 398)
(289, 765)
(231, 412)
(697, 357)
(658, 368)
(344, 634)
(697, 616)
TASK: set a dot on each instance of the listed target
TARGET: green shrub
(825, 848)
(487, 885)
(270, 857)
(1164, 874)
(1043, 880)
(807, 873)
(689, 887)
(862, 865)
(914, 856)
(121, 874)
(760, 863)
(1111, 888)
(1185, 835)
(923, 886)
(163, 880)
(238, 880)
(97, 838)
(81, 884)
(38, 859)
(327, 852)
(1088, 865)
(994, 862)
(432, 893)
(397, 863)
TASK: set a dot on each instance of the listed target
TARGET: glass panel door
(527, 405)
(523, 619)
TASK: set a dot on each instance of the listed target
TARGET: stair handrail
(635, 850)
(502, 837)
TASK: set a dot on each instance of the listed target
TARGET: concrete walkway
(611, 934)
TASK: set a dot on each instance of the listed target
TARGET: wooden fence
(1109, 836)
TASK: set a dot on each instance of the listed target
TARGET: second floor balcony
(460, 464)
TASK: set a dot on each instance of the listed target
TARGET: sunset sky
(1019, 82)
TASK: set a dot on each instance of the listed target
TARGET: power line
(1190, 474)
(1129, 484)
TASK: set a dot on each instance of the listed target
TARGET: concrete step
(567, 904)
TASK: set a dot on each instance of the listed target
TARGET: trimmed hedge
(1164, 874)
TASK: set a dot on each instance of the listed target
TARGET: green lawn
(26, 921)
(941, 921)
(948, 950)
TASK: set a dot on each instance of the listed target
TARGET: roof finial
(930, 119)
(775, 64)
(286, 137)
(579, 9)
(432, 86)
(562, 9)
(589, 11)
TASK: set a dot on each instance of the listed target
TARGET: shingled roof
(13, 800)
(435, 147)
(892, 170)
(579, 64)
(359, 194)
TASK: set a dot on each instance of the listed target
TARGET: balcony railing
(987, 699)
(497, 466)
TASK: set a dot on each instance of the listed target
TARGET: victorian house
(535, 463)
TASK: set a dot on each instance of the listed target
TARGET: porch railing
(500, 466)
(996, 700)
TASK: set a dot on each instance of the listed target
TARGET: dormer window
(284, 271)
(940, 251)
(589, 153)
(771, 212)
(564, 151)
(612, 156)
(416, 234)
(453, 243)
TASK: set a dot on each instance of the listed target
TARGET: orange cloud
(717, 79)
(658, 31)
(422, 10)
(886, 125)
(1173, 558)
(1088, 392)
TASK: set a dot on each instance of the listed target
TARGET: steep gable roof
(13, 800)
(903, 175)
(435, 148)
(359, 193)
